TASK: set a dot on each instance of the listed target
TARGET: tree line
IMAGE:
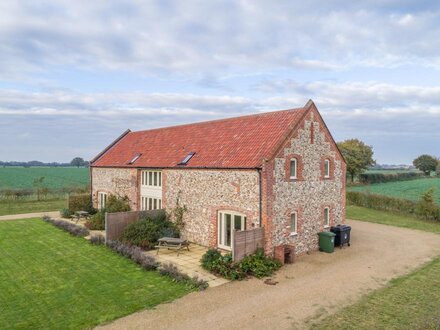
(77, 161)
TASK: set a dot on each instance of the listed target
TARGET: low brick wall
(115, 223)
(246, 242)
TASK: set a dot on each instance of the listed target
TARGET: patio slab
(188, 262)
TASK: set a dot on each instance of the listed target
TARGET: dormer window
(135, 158)
(187, 158)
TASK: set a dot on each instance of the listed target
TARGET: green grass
(386, 218)
(51, 280)
(412, 189)
(31, 206)
(55, 177)
(408, 302)
(392, 171)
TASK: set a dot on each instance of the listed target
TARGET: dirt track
(316, 285)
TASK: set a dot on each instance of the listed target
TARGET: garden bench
(172, 243)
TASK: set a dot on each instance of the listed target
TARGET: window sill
(293, 234)
(326, 227)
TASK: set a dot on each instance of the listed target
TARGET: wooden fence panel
(247, 242)
(115, 223)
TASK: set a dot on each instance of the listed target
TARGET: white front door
(227, 222)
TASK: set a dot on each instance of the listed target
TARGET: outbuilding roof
(240, 142)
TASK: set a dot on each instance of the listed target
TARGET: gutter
(261, 198)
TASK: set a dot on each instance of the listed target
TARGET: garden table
(172, 243)
(81, 214)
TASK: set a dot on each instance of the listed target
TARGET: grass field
(32, 206)
(51, 280)
(408, 302)
(386, 218)
(55, 177)
(412, 189)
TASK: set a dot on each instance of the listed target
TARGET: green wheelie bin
(326, 241)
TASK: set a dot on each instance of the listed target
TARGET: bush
(81, 202)
(96, 221)
(257, 265)
(72, 228)
(97, 239)
(370, 178)
(146, 261)
(173, 272)
(66, 213)
(146, 232)
(425, 208)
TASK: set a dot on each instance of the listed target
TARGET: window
(102, 200)
(293, 168)
(187, 158)
(228, 221)
(326, 168)
(151, 178)
(326, 217)
(149, 203)
(135, 158)
(293, 224)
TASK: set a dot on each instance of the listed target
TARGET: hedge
(393, 204)
(81, 202)
(370, 178)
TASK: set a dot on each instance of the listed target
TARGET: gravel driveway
(316, 285)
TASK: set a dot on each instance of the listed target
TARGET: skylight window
(187, 158)
(135, 158)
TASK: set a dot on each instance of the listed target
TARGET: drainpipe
(261, 195)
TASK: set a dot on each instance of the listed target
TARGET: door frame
(221, 223)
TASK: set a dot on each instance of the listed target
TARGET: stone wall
(116, 181)
(310, 193)
(205, 192)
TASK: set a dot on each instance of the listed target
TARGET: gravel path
(54, 214)
(315, 286)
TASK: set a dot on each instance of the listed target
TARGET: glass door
(227, 222)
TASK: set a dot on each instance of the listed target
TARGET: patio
(189, 263)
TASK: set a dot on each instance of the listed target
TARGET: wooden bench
(172, 243)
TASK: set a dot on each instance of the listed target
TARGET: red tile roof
(240, 142)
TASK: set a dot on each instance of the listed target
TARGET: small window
(187, 158)
(135, 158)
(293, 224)
(293, 168)
(102, 200)
(326, 168)
(326, 217)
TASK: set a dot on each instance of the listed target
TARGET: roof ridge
(220, 119)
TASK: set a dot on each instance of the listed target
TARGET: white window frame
(295, 161)
(326, 217)
(102, 200)
(151, 179)
(326, 168)
(150, 203)
(221, 227)
(294, 231)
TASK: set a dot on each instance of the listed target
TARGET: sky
(75, 74)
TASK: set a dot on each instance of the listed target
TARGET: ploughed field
(411, 190)
(54, 177)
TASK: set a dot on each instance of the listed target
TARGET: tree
(40, 187)
(77, 161)
(358, 156)
(425, 163)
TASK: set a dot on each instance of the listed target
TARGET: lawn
(408, 302)
(412, 189)
(31, 206)
(51, 280)
(55, 177)
(387, 218)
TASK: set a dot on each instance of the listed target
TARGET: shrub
(146, 232)
(173, 272)
(96, 221)
(81, 202)
(148, 262)
(256, 264)
(72, 228)
(426, 207)
(117, 204)
(259, 265)
(97, 239)
(370, 178)
(66, 213)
